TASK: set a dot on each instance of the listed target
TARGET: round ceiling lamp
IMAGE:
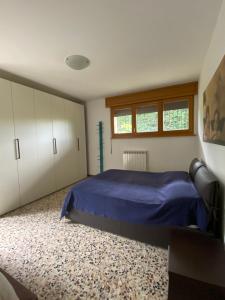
(77, 62)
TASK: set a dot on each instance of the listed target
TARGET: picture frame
(214, 108)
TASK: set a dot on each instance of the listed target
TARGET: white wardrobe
(42, 144)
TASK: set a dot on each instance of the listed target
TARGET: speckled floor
(59, 260)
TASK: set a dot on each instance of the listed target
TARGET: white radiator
(135, 160)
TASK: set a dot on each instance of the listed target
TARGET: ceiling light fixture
(77, 62)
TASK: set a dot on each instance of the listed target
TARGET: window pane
(176, 115)
(147, 119)
(123, 121)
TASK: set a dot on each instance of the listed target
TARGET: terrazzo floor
(61, 260)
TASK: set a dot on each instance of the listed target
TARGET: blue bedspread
(168, 198)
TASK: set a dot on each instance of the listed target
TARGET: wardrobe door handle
(54, 146)
(78, 144)
(17, 148)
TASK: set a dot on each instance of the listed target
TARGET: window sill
(153, 135)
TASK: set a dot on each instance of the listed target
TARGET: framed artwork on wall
(214, 108)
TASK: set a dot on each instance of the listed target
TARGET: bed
(145, 206)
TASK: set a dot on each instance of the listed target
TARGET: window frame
(160, 132)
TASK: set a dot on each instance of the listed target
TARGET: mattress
(166, 198)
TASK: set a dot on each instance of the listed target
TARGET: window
(170, 117)
(176, 115)
(147, 118)
(123, 121)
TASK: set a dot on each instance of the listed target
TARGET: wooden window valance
(170, 92)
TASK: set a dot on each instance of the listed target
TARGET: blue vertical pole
(100, 126)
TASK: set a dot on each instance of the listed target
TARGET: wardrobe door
(25, 132)
(71, 143)
(9, 187)
(60, 142)
(44, 131)
(81, 140)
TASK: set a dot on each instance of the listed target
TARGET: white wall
(213, 154)
(165, 153)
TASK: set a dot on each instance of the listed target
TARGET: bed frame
(154, 235)
(160, 235)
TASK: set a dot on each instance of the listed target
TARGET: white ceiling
(132, 44)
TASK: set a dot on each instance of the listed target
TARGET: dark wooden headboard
(209, 189)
